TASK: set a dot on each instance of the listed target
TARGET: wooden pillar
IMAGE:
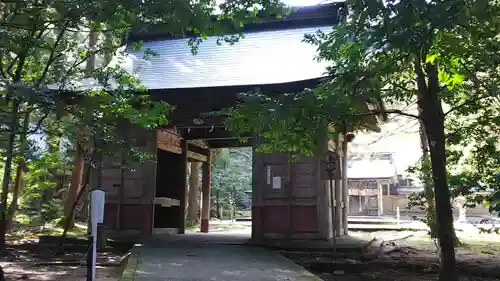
(338, 191)
(325, 193)
(121, 193)
(259, 172)
(205, 189)
(360, 209)
(345, 187)
(365, 208)
(193, 194)
(183, 173)
(380, 199)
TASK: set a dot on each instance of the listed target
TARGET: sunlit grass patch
(193, 227)
(471, 243)
(52, 229)
(78, 230)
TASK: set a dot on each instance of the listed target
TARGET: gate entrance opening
(168, 194)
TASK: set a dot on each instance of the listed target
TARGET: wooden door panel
(303, 168)
(304, 186)
(291, 206)
(275, 158)
(305, 160)
(133, 189)
(276, 175)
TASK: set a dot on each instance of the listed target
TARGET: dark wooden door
(286, 195)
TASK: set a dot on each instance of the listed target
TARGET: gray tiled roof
(260, 58)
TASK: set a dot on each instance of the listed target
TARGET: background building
(371, 177)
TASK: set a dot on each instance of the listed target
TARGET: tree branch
(475, 80)
(390, 111)
(11, 65)
(52, 56)
(2, 71)
(38, 124)
(465, 103)
(477, 85)
(88, 55)
(421, 84)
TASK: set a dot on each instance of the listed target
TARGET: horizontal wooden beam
(200, 139)
(171, 142)
(167, 202)
(196, 157)
(205, 133)
(170, 147)
(199, 143)
(228, 143)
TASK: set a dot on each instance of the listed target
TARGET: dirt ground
(413, 258)
(29, 260)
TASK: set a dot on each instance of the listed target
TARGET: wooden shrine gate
(290, 199)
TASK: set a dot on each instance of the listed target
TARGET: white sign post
(97, 216)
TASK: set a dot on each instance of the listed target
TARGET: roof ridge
(301, 17)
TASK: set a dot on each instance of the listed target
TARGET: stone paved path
(209, 257)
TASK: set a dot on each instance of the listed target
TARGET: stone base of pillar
(204, 225)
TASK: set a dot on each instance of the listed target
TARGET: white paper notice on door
(276, 182)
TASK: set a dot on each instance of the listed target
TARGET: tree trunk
(233, 204)
(194, 191)
(20, 170)
(444, 215)
(83, 211)
(2, 275)
(78, 197)
(218, 204)
(9, 156)
(186, 192)
(18, 186)
(428, 186)
(75, 186)
(433, 118)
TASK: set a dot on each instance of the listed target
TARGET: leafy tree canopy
(442, 54)
(392, 51)
(56, 75)
(373, 57)
(55, 60)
